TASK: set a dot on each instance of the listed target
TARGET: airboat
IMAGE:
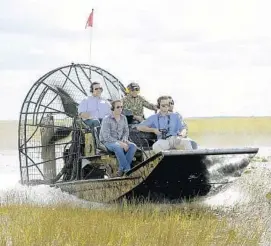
(57, 149)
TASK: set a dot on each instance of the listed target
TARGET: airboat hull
(170, 175)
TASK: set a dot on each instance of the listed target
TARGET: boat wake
(247, 199)
(222, 170)
(12, 192)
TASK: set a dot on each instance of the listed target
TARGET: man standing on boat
(136, 103)
(93, 109)
(114, 135)
(167, 126)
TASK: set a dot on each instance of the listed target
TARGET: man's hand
(124, 145)
(85, 116)
(156, 131)
(139, 118)
(183, 133)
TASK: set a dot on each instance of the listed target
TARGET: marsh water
(246, 199)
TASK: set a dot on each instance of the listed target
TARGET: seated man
(93, 109)
(114, 135)
(167, 126)
(136, 103)
(185, 131)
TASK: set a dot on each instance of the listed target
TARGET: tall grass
(230, 131)
(128, 225)
(257, 125)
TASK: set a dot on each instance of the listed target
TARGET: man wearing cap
(94, 108)
(136, 103)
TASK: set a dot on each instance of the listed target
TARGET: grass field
(206, 131)
(141, 225)
(257, 125)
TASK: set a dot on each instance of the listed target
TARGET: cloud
(210, 51)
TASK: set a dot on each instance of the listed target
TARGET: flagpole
(91, 33)
(90, 24)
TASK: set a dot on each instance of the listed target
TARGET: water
(247, 200)
(12, 192)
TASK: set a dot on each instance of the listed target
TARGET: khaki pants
(173, 142)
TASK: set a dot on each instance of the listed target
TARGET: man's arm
(145, 129)
(125, 131)
(106, 131)
(82, 110)
(183, 123)
(148, 125)
(182, 126)
(147, 104)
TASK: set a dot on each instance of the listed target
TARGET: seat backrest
(99, 145)
(129, 119)
(96, 133)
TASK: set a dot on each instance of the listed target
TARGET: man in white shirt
(94, 108)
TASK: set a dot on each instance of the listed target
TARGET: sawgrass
(199, 129)
(230, 131)
(128, 225)
(258, 125)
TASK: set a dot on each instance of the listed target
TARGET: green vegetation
(236, 125)
(127, 225)
(230, 131)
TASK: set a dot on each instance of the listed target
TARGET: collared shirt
(182, 121)
(136, 104)
(171, 122)
(95, 106)
(113, 130)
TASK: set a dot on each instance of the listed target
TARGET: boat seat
(99, 145)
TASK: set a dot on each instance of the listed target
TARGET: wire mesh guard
(47, 115)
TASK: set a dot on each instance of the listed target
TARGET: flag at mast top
(90, 20)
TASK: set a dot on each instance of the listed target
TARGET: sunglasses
(119, 107)
(135, 89)
(98, 88)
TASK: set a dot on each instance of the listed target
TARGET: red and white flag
(90, 20)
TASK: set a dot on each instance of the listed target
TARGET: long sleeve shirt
(95, 106)
(182, 121)
(113, 130)
(137, 104)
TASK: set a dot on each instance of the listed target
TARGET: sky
(212, 56)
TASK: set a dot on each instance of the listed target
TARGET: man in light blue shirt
(93, 109)
(167, 126)
(185, 132)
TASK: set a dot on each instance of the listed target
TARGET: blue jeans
(92, 122)
(124, 159)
